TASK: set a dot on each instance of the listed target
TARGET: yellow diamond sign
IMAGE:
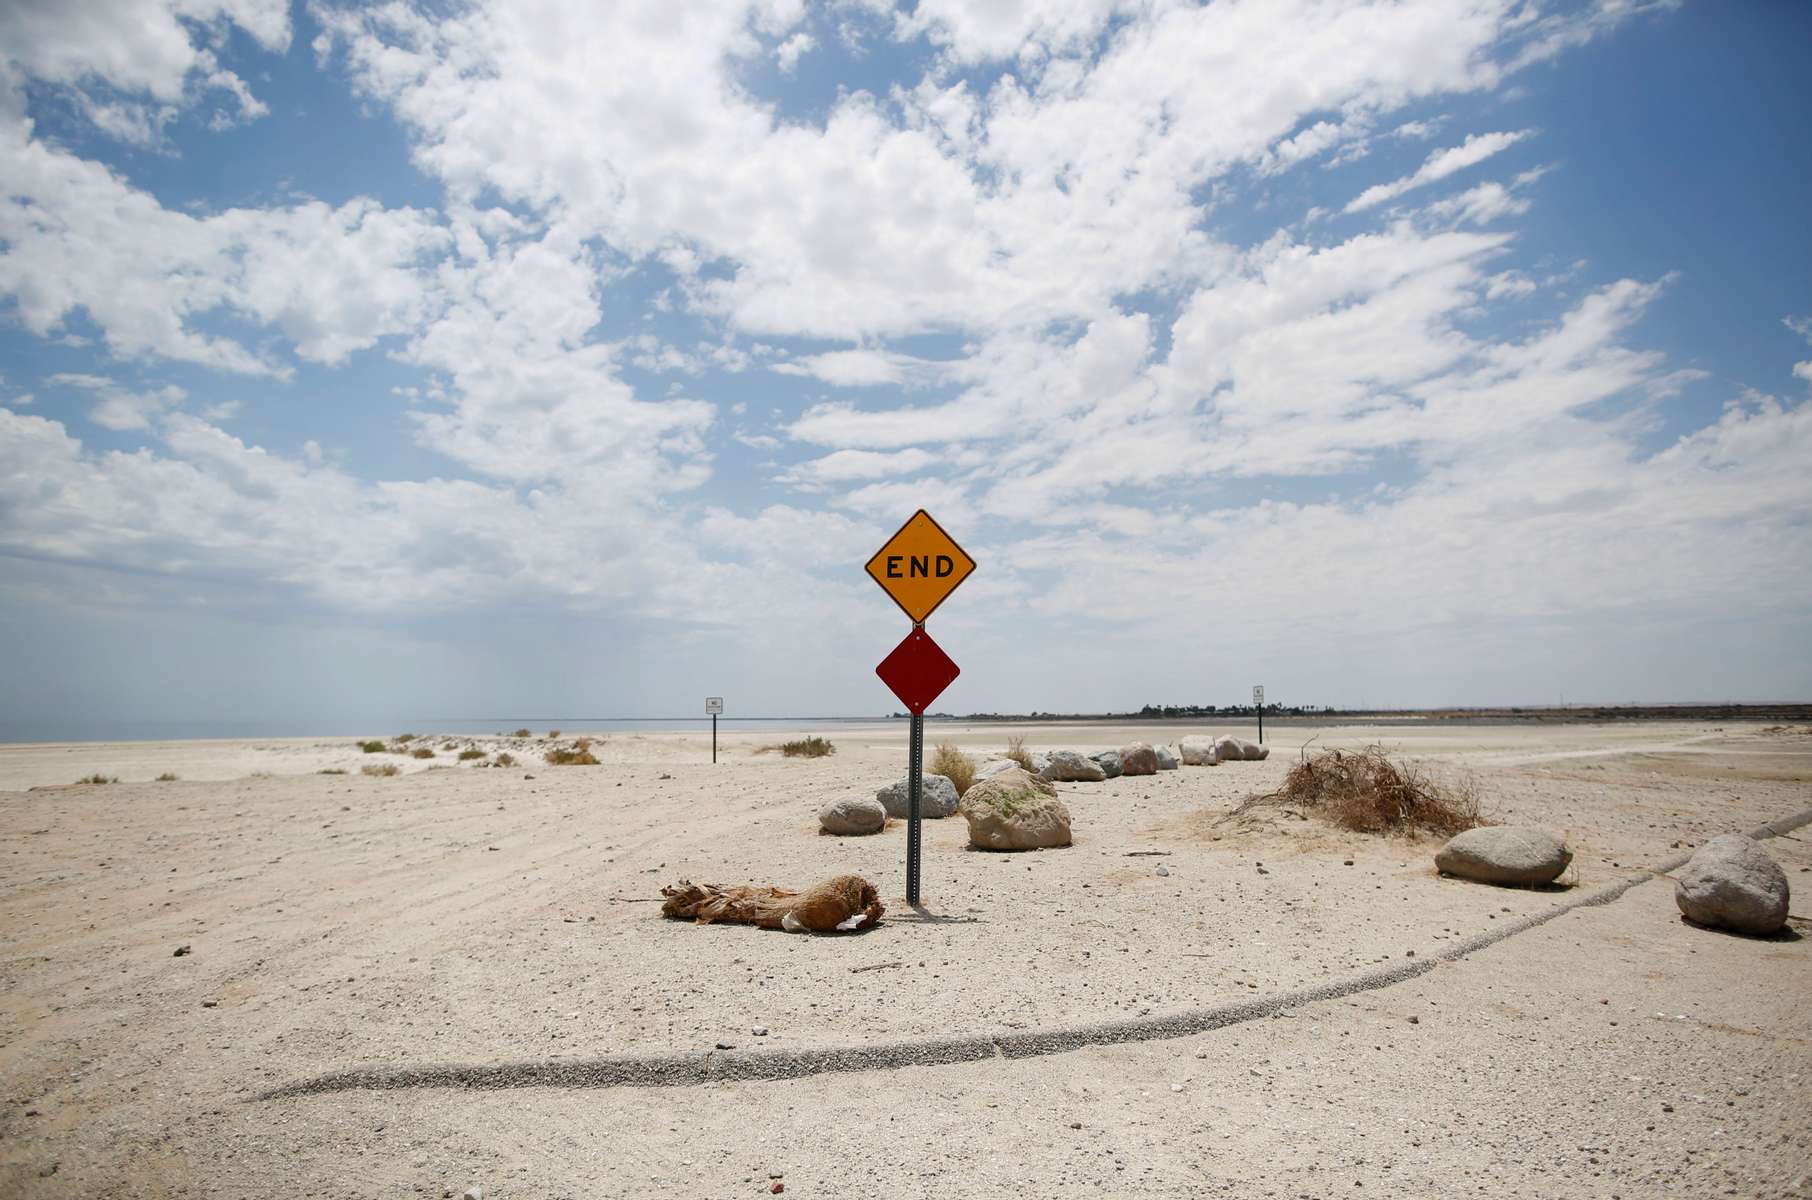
(920, 565)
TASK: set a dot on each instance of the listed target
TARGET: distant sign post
(1258, 702)
(919, 567)
(714, 705)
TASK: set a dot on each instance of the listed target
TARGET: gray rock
(853, 815)
(937, 799)
(1198, 752)
(1109, 762)
(1015, 810)
(1732, 883)
(1138, 758)
(1167, 758)
(1504, 854)
(1040, 760)
(1070, 766)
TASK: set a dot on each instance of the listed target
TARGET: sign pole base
(915, 765)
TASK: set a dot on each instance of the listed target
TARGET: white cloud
(132, 65)
(789, 52)
(1439, 165)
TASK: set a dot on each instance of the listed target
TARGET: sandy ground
(476, 915)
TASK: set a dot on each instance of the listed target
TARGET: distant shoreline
(40, 732)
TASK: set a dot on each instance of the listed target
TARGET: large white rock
(1167, 758)
(1198, 752)
(853, 815)
(1138, 758)
(993, 767)
(936, 799)
(1504, 854)
(1072, 766)
(1015, 810)
(1732, 883)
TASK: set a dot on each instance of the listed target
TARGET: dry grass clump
(1368, 791)
(953, 765)
(522, 733)
(381, 769)
(422, 752)
(811, 747)
(579, 755)
(166, 777)
(331, 771)
(99, 778)
(504, 760)
(1016, 750)
(470, 753)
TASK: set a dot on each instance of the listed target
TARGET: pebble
(181, 951)
(1163, 870)
(726, 1046)
(472, 1193)
(760, 1031)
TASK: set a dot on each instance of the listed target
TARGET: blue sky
(543, 358)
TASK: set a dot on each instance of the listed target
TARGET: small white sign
(714, 705)
(1258, 697)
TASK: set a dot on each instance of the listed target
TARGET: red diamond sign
(918, 671)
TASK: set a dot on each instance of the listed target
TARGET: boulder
(1138, 758)
(1070, 766)
(1731, 883)
(937, 797)
(1015, 810)
(1198, 752)
(1109, 762)
(1167, 758)
(1040, 760)
(1504, 854)
(852, 815)
(1232, 749)
(993, 767)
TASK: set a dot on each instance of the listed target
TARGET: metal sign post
(918, 671)
(714, 705)
(919, 567)
(1258, 702)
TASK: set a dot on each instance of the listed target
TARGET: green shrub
(522, 733)
(167, 777)
(470, 754)
(331, 771)
(372, 747)
(404, 737)
(811, 747)
(99, 778)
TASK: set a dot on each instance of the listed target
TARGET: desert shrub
(579, 755)
(810, 747)
(1368, 791)
(405, 737)
(331, 771)
(372, 747)
(99, 778)
(1016, 750)
(381, 769)
(522, 733)
(422, 752)
(553, 733)
(471, 753)
(167, 777)
(953, 765)
(504, 760)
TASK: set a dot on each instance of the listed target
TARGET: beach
(476, 916)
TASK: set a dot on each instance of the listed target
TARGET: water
(105, 730)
